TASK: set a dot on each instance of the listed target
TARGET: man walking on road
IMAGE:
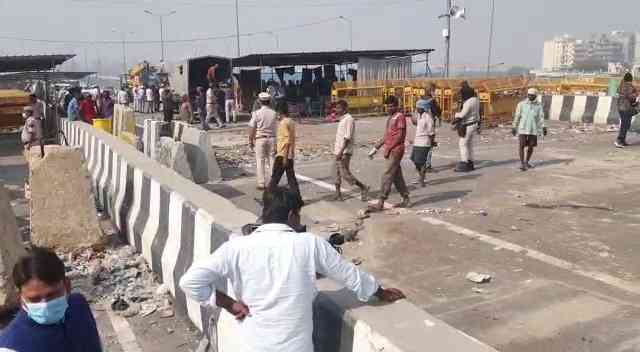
(272, 275)
(262, 137)
(393, 142)
(466, 124)
(201, 108)
(285, 149)
(627, 106)
(425, 138)
(212, 105)
(343, 150)
(528, 124)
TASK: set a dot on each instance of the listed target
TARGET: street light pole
(124, 48)
(350, 23)
(493, 12)
(277, 38)
(161, 16)
(238, 28)
(447, 41)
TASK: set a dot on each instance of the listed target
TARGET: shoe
(523, 167)
(337, 198)
(364, 194)
(471, 166)
(618, 144)
(261, 188)
(529, 166)
(405, 202)
(429, 170)
(462, 167)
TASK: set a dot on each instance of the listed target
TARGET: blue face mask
(48, 313)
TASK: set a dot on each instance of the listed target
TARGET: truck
(192, 73)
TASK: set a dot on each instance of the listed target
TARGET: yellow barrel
(102, 124)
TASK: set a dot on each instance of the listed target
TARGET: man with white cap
(262, 137)
(528, 124)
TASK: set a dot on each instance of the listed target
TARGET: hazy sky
(521, 26)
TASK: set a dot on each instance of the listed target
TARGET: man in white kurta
(272, 273)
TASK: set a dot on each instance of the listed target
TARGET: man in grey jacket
(466, 123)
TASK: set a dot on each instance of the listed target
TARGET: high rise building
(596, 53)
(559, 54)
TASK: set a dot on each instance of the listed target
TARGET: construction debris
(119, 279)
(478, 278)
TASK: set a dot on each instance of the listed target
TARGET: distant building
(601, 52)
(559, 54)
(596, 53)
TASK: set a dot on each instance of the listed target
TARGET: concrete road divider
(600, 110)
(201, 155)
(172, 155)
(173, 223)
(11, 249)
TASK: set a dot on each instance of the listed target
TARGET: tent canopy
(45, 75)
(321, 58)
(32, 62)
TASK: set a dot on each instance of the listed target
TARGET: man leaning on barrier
(272, 275)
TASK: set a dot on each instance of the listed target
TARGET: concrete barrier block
(200, 154)
(11, 249)
(172, 155)
(63, 212)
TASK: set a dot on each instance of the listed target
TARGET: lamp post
(161, 16)
(124, 48)
(455, 12)
(493, 12)
(277, 40)
(350, 22)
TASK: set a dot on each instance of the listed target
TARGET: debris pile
(120, 280)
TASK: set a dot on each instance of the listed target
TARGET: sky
(520, 27)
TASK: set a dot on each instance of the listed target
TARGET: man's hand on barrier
(389, 294)
(514, 132)
(544, 131)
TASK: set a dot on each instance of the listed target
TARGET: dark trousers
(625, 124)
(393, 175)
(280, 169)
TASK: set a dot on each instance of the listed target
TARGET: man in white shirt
(212, 105)
(123, 98)
(272, 274)
(343, 150)
(262, 137)
(424, 139)
(149, 101)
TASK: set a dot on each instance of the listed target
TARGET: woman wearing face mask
(51, 318)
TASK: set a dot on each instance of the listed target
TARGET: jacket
(627, 96)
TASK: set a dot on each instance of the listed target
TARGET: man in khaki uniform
(262, 137)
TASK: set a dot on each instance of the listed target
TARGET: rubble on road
(478, 278)
(119, 279)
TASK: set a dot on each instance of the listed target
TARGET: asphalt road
(559, 241)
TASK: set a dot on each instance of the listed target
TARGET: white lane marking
(123, 331)
(547, 259)
(320, 183)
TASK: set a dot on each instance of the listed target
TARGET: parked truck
(192, 73)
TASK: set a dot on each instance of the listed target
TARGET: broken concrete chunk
(11, 249)
(63, 212)
(478, 278)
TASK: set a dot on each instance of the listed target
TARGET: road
(558, 240)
